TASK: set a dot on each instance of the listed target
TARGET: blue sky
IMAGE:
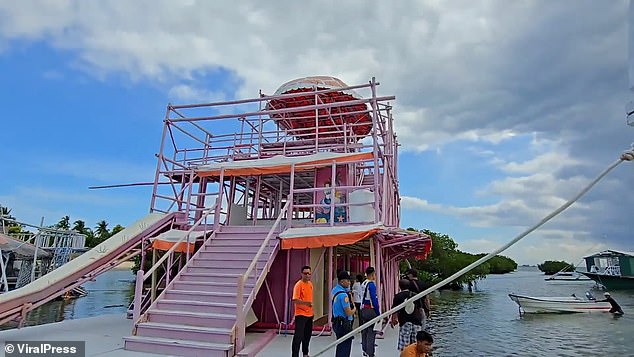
(504, 110)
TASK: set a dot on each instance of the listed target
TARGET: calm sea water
(487, 323)
(482, 323)
(111, 293)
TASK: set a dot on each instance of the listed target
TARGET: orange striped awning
(279, 164)
(317, 237)
(166, 240)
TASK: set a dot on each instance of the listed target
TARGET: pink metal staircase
(196, 314)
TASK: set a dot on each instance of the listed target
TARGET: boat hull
(559, 305)
(568, 279)
(612, 282)
(574, 276)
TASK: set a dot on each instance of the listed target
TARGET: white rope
(626, 156)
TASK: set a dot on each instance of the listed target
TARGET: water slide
(87, 266)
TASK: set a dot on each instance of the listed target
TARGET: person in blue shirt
(369, 310)
(343, 311)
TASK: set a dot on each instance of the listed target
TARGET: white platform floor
(281, 345)
(104, 337)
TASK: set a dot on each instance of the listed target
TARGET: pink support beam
(324, 120)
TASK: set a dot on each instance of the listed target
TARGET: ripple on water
(487, 323)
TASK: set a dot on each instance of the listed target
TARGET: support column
(153, 287)
(330, 280)
(287, 302)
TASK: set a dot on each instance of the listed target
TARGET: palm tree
(101, 230)
(9, 224)
(116, 229)
(6, 212)
(64, 223)
(80, 227)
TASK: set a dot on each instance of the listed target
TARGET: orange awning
(163, 245)
(166, 240)
(325, 236)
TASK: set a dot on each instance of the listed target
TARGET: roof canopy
(20, 248)
(395, 241)
(317, 237)
(166, 240)
(328, 122)
(610, 253)
(279, 164)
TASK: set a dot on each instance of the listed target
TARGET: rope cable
(626, 156)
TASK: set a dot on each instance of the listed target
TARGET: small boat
(559, 304)
(567, 276)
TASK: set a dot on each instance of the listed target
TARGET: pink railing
(241, 306)
(141, 276)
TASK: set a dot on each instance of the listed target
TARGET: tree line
(445, 259)
(551, 267)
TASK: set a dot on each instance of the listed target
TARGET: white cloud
(525, 199)
(419, 204)
(535, 248)
(187, 93)
(487, 73)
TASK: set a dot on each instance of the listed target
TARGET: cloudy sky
(505, 109)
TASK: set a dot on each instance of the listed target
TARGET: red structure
(332, 121)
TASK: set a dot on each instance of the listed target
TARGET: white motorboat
(559, 304)
(567, 276)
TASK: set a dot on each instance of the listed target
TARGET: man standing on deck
(343, 311)
(369, 310)
(303, 300)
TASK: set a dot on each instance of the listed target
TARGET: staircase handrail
(241, 306)
(142, 276)
(175, 245)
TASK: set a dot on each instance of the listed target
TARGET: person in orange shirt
(303, 300)
(422, 346)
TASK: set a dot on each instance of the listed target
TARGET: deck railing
(242, 306)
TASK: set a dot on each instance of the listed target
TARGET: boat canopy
(610, 253)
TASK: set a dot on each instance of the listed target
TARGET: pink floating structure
(247, 192)
(306, 176)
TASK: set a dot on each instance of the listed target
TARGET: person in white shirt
(357, 291)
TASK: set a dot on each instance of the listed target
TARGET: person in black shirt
(416, 286)
(409, 318)
(616, 309)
